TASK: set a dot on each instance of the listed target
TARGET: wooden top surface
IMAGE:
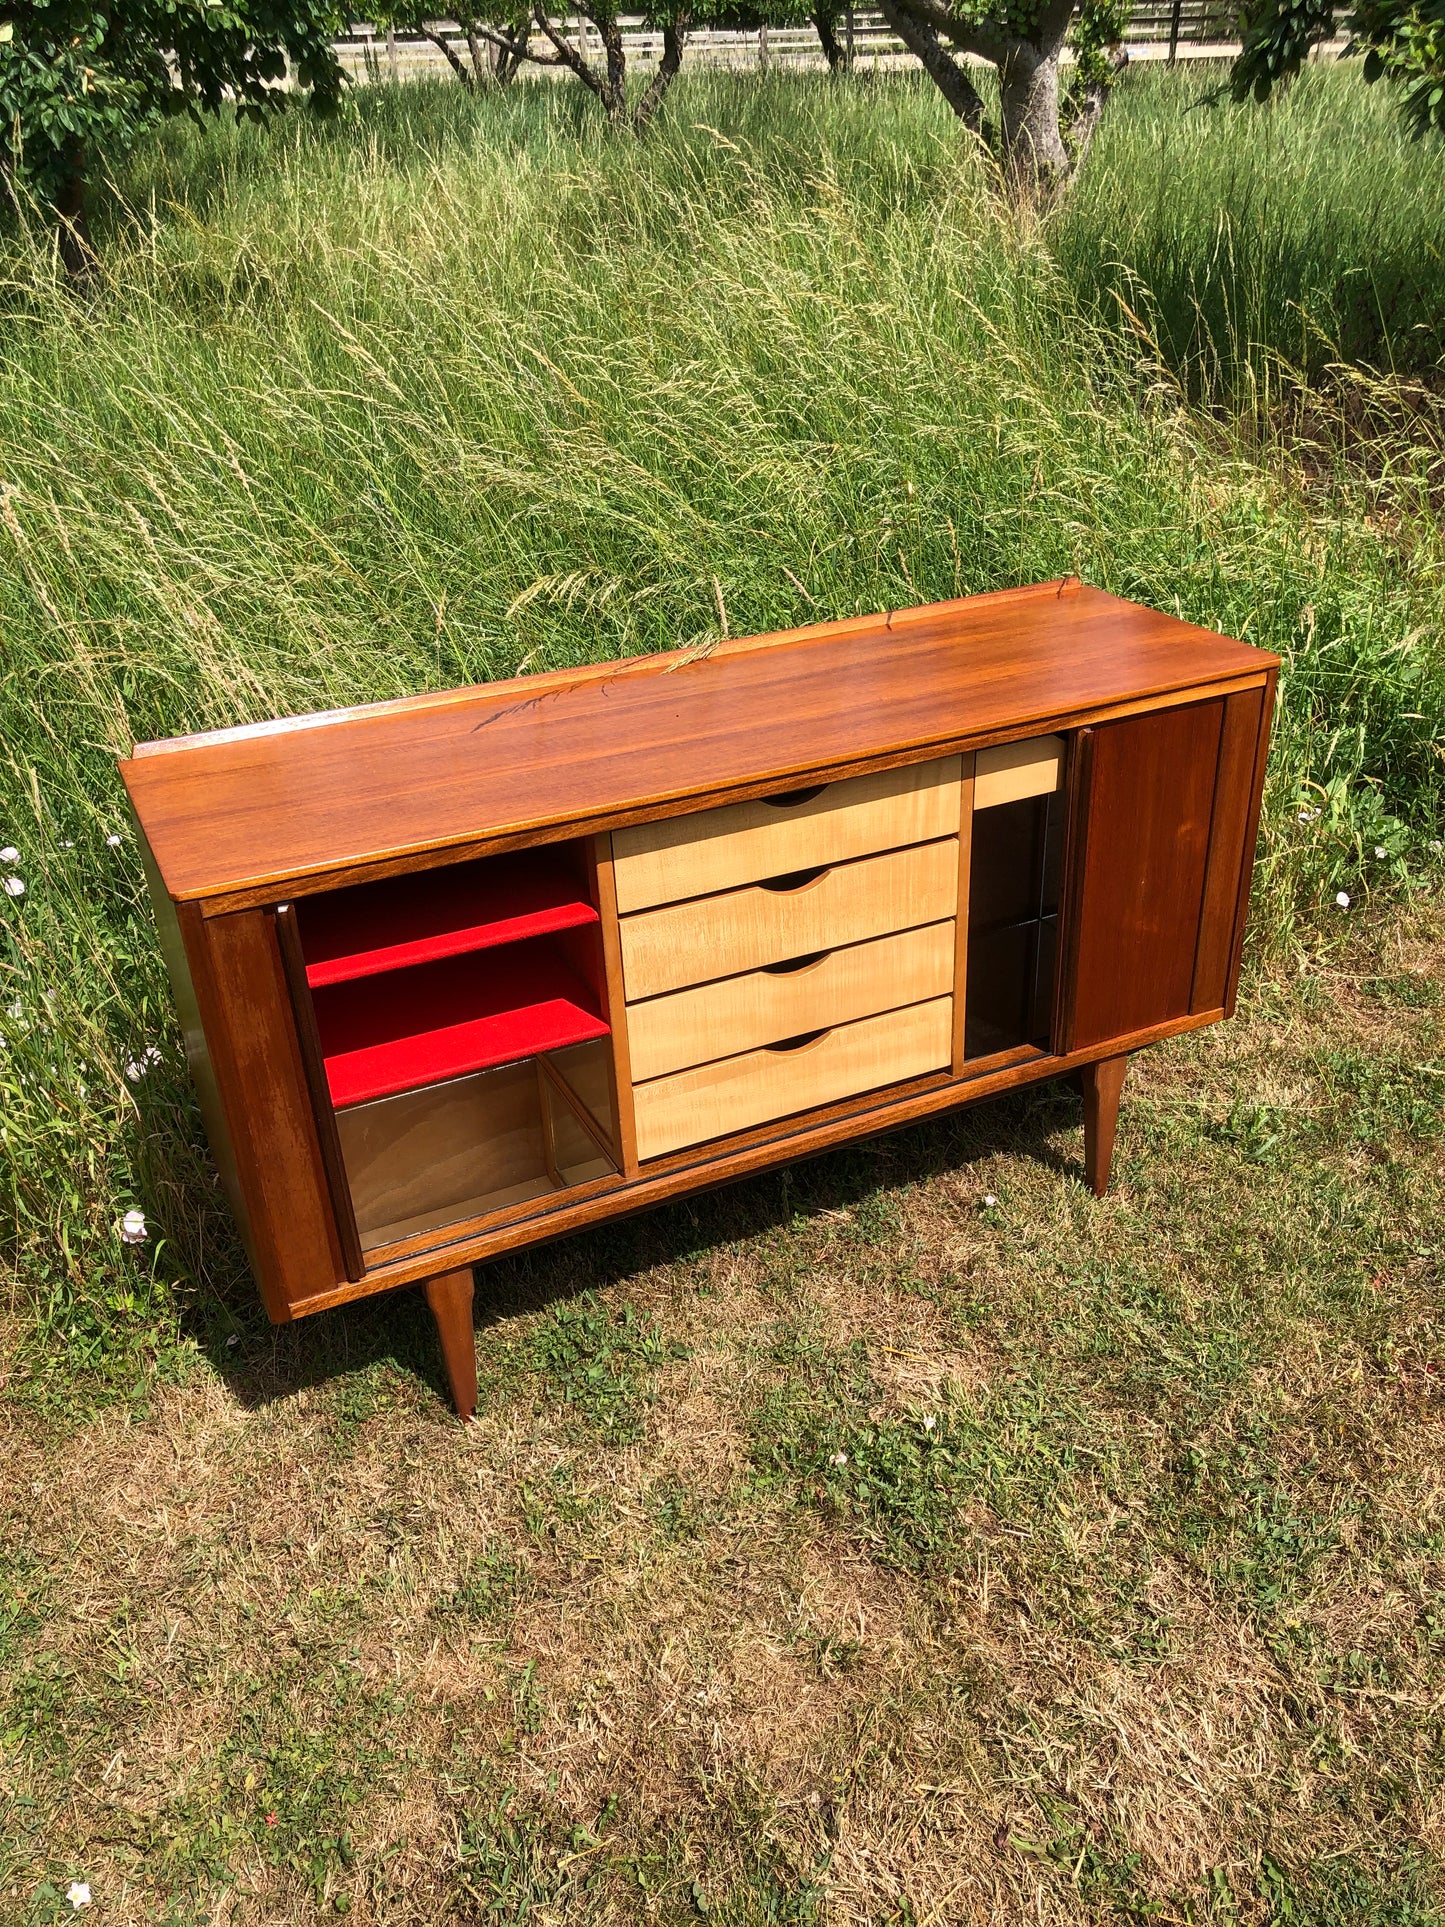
(241, 810)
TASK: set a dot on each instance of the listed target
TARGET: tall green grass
(452, 389)
(1311, 232)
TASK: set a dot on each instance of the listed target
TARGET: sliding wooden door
(1165, 807)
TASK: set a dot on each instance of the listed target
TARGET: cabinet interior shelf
(384, 1034)
(433, 914)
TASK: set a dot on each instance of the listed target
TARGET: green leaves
(79, 83)
(1402, 41)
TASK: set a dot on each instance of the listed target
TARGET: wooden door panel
(1229, 860)
(1146, 816)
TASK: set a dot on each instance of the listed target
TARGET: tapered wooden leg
(450, 1298)
(1102, 1085)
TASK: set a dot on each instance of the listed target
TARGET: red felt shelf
(431, 914)
(380, 1035)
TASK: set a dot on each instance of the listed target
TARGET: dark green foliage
(1402, 41)
(80, 80)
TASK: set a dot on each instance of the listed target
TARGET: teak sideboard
(468, 971)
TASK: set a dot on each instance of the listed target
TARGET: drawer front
(758, 1086)
(760, 1007)
(1013, 771)
(692, 943)
(691, 856)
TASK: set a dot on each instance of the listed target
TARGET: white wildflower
(112, 842)
(67, 845)
(1342, 898)
(1436, 847)
(1304, 816)
(78, 1894)
(839, 1458)
(1379, 850)
(136, 1069)
(133, 1228)
(989, 1201)
(9, 854)
(929, 1421)
(14, 887)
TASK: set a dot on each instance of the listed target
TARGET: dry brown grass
(1180, 1650)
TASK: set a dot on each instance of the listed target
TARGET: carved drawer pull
(797, 882)
(794, 799)
(793, 1045)
(795, 966)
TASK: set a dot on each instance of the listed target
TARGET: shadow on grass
(262, 1364)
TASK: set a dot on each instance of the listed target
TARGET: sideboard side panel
(1145, 855)
(245, 1008)
(197, 1045)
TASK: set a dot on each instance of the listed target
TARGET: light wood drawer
(691, 856)
(740, 1013)
(738, 1092)
(691, 943)
(1012, 771)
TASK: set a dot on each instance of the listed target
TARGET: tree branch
(674, 33)
(1083, 124)
(568, 56)
(440, 40)
(517, 49)
(969, 36)
(920, 37)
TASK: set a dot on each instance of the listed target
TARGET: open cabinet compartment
(426, 1159)
(457, 1019)
(427, 915)
(1015, 876)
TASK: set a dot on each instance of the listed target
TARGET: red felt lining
(380, 1035)
(444, 912)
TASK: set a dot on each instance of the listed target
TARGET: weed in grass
(600, 1362)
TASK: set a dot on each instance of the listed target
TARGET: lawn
(904, 1538)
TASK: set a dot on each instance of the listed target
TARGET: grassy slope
(455, 388)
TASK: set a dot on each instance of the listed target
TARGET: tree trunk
(942, 69)
(825, 25)
(1034, 156)
(614, 98)
(77, 255)
(674, 34)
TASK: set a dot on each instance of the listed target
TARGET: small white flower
(929, 1421)
(136, 1069)
(67, 846)
(839, 1458)
(14, 887)
(1436, 847)
(1304, 816)
(9, 854)
(1342, 898)
(989, 1201)
(112, 842)
(133, 1228)
(1379, 850)
(234, 1339)
(78, 1894)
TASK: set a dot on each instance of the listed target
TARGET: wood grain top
(265, 807)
